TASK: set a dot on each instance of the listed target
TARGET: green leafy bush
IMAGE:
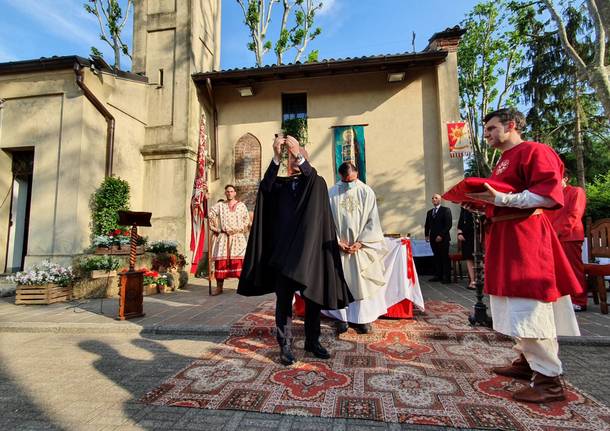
(162, 280)
(297, 127)
(101, 262)
(598, 197)
(111, 196)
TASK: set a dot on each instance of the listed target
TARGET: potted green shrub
(110, 197)
(162, 282)
(163, 246)
(100, 265)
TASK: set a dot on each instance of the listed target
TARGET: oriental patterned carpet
(433, 370)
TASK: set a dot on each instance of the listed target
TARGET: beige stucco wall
(48, 112)
(182, 38)
(405, 147)
(5, 185)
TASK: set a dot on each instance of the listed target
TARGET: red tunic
(567, 221)
(523, 256)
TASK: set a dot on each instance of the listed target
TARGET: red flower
(117, 231)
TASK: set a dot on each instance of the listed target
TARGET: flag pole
(209, 240)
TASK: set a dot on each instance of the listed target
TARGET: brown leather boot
(543, 389)
(519, 369)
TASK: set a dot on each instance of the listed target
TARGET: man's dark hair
(508, 114)
(345, 167)
(230, 185)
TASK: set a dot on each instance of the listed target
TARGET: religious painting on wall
(349, 147)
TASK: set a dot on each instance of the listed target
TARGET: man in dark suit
(293, 247)
(438, 225)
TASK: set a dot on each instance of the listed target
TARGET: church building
(67, 122)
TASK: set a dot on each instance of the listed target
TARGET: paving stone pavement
(193, 311)
(93, 382)
(60, 377)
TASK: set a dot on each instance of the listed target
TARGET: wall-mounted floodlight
(246, 91)
(396, 76)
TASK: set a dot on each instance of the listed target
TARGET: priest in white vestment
(362, 245)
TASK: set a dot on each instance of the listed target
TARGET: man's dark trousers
(442, 264)
(284, 292)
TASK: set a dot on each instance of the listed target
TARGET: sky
(30, 29)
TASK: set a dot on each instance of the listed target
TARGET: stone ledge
(192, 330)
(7, 289)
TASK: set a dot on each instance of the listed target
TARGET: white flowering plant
(43, 273)
(163, 246)
(116, 237)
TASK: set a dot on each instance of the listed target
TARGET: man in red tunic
(527, 275)
(567, 222)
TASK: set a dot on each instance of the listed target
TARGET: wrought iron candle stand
(479, 316)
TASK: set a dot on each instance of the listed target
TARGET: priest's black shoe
(286, 356)
(446, 281)
(317, 350)
(362, 328)
(434, 279)
(342, 327)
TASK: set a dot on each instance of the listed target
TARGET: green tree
(593, 70)
(296, 27)
(111, 196)
(111, 21)
(598, 197)
(564, 110)
(490, 61)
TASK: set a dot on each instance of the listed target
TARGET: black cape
(307, 252)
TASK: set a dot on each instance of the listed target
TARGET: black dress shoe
(434, 279)
(286, 356)
(342, 327)
(317, 350)
(362, 328)
(446, 281)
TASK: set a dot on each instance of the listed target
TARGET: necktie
(434, 212)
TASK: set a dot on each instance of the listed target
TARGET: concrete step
(7, 287)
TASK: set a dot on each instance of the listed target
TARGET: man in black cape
(293, 247)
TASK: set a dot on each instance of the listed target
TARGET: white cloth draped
(397, 287)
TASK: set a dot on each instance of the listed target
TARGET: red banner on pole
(458, 134)
(199, 203)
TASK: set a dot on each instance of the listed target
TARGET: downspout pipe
(110, 122)
(210, 90)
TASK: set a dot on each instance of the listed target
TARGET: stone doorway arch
(247, 168)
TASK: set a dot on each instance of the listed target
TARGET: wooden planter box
(124, 249)
(42, 294)
(102, 273)
(150, 289)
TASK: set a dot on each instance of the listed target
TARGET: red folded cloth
(457, 193)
